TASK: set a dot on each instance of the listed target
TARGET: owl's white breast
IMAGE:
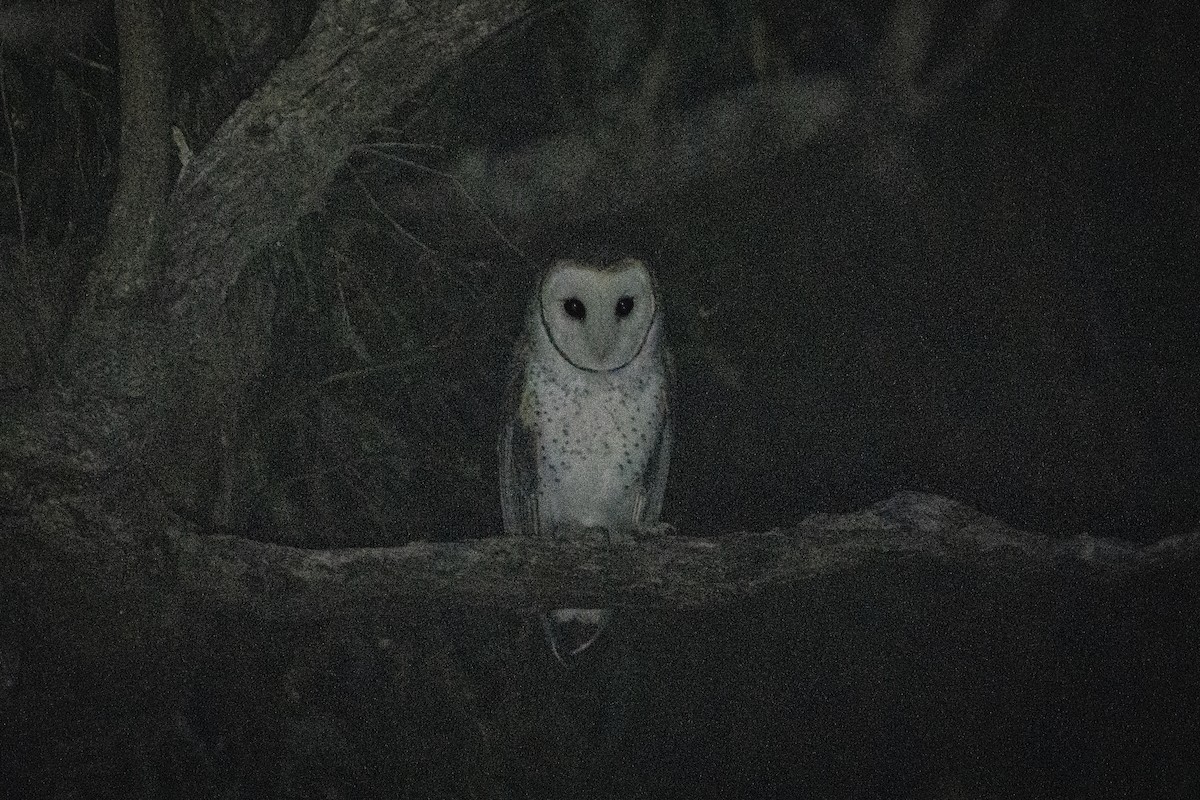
(596, 434)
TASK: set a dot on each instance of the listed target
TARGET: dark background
(993, 301)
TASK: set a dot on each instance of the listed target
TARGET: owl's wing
(518, 462)
(654, 484)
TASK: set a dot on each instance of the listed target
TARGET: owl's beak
(604, 345)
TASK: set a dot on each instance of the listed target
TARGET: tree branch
(591, 568)
(634, 155)
(269, 163)
(615, 169)
(112, 346)
(266, 167)
(916, 615)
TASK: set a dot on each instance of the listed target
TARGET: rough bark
(114, 356)
(267, 167)
(154, 393)
(270, 162)
(586, 567)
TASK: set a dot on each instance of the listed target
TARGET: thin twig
(393, 131)
(14, 177)
(458, 185)
(87, 62)
(396, 226)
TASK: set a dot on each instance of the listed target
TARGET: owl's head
(598, 317)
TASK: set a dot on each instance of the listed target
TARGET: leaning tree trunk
(173, 327)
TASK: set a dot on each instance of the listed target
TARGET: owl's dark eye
(624, 307)
(574, 308)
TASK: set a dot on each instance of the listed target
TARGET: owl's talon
(573, 631)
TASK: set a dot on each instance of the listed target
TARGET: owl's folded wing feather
(518, 463)
(654, 482)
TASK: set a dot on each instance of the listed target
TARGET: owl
(588, 436)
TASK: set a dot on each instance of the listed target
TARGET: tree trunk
(170, 338)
